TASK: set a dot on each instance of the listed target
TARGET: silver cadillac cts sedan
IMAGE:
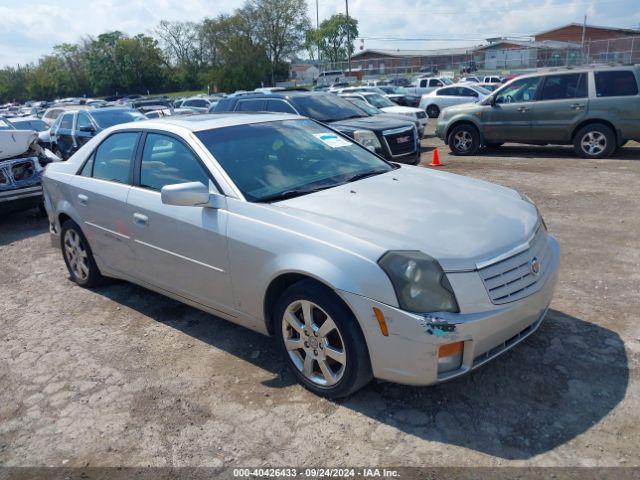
(359, 267)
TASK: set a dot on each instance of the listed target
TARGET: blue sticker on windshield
(332, 140)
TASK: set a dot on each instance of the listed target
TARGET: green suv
(595, 109)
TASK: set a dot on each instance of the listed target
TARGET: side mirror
(191, 194)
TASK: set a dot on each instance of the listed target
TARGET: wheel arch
(462, 121)
(591, 121)
(279, 285)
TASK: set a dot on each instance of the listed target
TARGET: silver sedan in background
(359, 267)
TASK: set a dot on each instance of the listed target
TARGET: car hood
(400, 109)
(469, 108)
(370, 123)
(457, 220)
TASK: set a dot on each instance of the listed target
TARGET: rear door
(64, 135)
(562, 104)
(616, 98)
(100, 197)
(85, 129)
(509, 118)
(179, 249)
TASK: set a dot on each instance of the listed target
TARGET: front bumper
(440, 129)
(409, 354)
(20, 199)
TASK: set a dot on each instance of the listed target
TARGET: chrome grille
(401, 141)
(513, 278)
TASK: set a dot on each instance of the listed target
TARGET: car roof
(209, 121)
(567, 70)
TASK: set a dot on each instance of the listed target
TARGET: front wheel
(321, 341)
(433, 111)
(594, 141)
(464, 140)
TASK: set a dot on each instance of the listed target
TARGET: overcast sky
(29, 28)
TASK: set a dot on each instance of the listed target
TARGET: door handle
(83, 199)
(577, 106)
(141, 219)
(523, 109)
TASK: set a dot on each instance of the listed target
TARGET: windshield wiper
(294, 192)
(361, 175)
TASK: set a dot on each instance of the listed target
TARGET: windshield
(379, 101)
(446, 81)
(37, 125)
(108, 118)
(4, 125)
(276, 160)
(326, 107)
(481, 90)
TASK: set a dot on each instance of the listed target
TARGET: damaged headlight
(419, 282)
(367, 139)
(528, 200)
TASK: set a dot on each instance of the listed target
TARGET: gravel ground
(123, 376)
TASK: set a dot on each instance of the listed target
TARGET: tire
(78, 256)
(595, 140)
(464, 140)
(335, 375)
(433, 111)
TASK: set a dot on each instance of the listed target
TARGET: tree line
(250, 47)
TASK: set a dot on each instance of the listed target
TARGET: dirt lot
(123, 376)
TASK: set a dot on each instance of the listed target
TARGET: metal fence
(457, 61)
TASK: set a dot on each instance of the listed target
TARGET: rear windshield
(616, 84)
(108, 118)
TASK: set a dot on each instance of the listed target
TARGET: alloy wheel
(314, 343)
(593, 143)
(76, 254)
(463, 141)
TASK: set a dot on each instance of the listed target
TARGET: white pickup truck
(420, 86)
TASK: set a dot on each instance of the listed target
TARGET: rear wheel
(321, 341)
(464, 140)
(78, 256)
(594, 141)
(433, 111)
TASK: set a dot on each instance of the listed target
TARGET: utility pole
(584, 34)
(348, 36)
(317, 29)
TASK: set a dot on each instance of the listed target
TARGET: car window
(257, 105)
(558, 87)
(67, 121)
(109, 118)
(423, 83)
(467, 92)
(270, 158)
(83, 121)
(279, 106)
(618, 83)
(112, 159)
(4, 125)
(326, 107)
(523, 90)
(435, 83)
(167, 161)
(197, 103)
(379, 101)
(447, 92)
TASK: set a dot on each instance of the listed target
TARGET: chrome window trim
(509, 253)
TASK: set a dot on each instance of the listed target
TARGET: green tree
(280, 26)
(334, 37)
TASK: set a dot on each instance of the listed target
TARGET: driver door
(181, 249)
(510, 117)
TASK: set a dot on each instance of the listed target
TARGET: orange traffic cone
(435, 159)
